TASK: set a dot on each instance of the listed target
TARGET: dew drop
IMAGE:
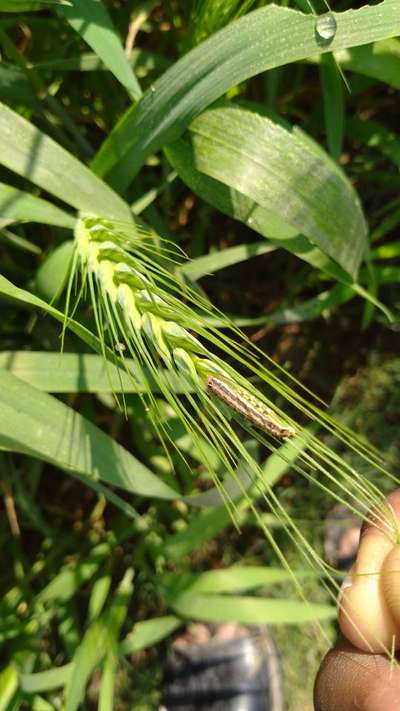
(250, 220)
(153, 89)
(326, 27)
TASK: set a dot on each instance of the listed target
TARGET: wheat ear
(134, 296)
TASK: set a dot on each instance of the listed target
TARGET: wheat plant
(141, 309)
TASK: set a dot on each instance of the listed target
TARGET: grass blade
(77, 372)
(54, 169)
(250, 610)
(37, 424)
(17, 205)
(332, 87)
(92, 21)
(147, 633)
(263, 39)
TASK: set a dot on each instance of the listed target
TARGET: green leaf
(237, 205)
(332, 88)
(89, 654)
(18, 205)
(324, 302)
(107, 688)
(380, 60)
(37, 424)
(143, 61)
(52, 274)
(92, 21)
(278, 169)
(8, 289)
(36, 157)
(213, 262)
(269, 37)
(72, 576)
(387, 251)
(205, 525)
(146, 634)
(40, 704)
(249, 610)
(78, 372)
(26, 6)
(236, 579)
(16, 241)
(8, 686)
(100, 640)
(47, 680)
(208, 524)
(98, 596)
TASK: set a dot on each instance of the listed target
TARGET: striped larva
(250, 407)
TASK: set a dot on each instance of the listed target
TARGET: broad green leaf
(35, 423)
(249, 610)
(92, 21)
(18, 205)
(269, 37)
(280, 170)
(145, 634)
(77, 372)
(239, 206)
(36, 157)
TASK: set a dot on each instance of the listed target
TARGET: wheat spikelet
(157, 322)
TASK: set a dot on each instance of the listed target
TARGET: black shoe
(238, 674)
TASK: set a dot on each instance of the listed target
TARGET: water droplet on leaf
(326, 27)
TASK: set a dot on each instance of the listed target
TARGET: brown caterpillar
(249, 407)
